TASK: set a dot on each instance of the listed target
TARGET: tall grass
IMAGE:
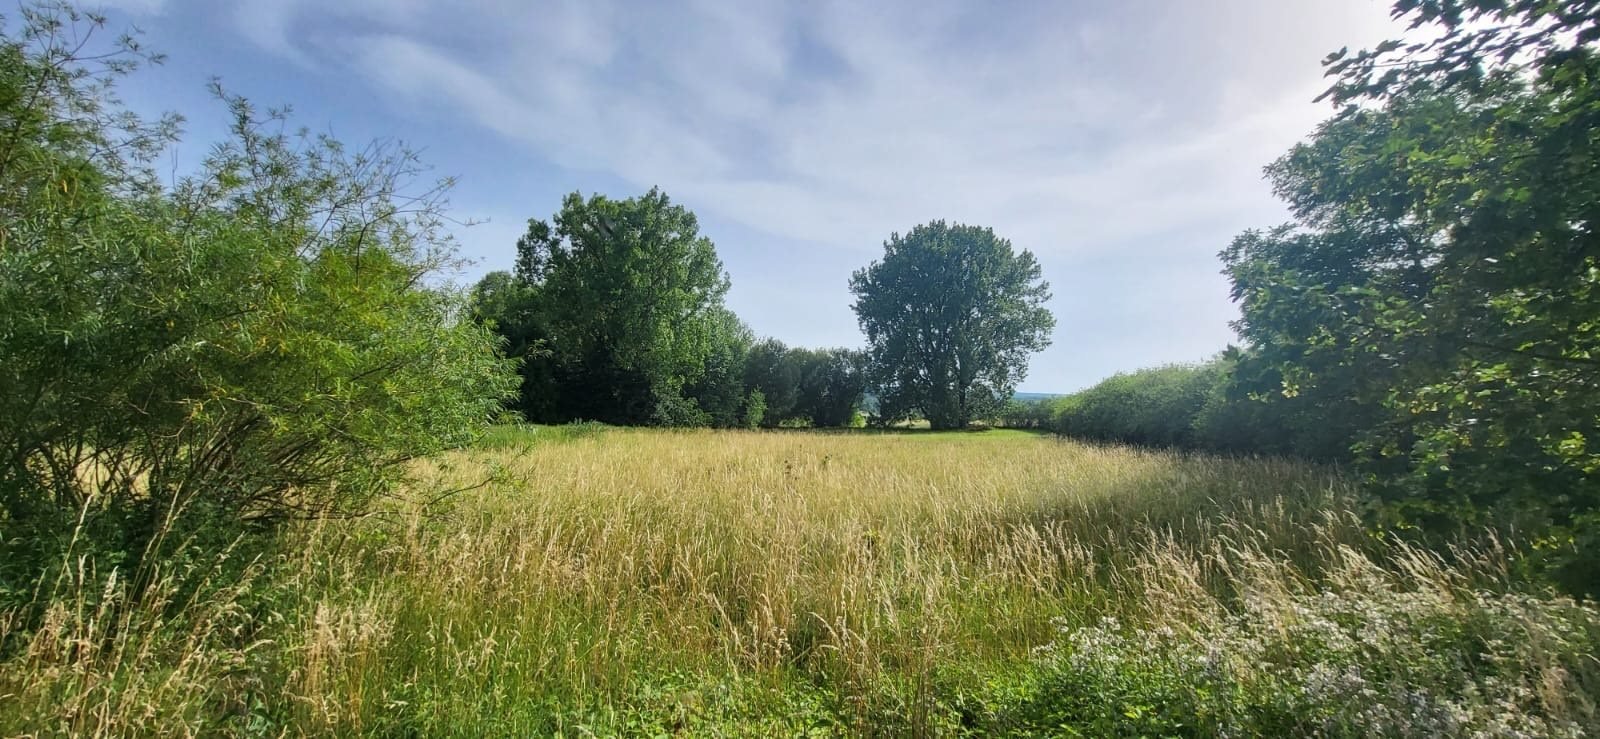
(718, 583)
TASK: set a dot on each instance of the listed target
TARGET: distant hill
(869, 402)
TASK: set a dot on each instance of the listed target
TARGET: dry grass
(695, 582)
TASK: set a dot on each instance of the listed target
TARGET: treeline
(1431, 315)
(615, 311)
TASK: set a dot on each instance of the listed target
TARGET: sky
(1122, 143)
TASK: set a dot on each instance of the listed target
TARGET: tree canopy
(616, 310)
(1438, 293)
(951, 314)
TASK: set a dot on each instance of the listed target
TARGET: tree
(831, 392)
(1439, 290)
(627, 298)
(770, 369)
(951, 314)
(814, 387)
(509, 305)
(254, 344)
(719, 391)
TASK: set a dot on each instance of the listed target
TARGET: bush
(1026, 414)
(254, 344)
(676, 411)
(1154, 407)
(1203, 407)
(755, 409)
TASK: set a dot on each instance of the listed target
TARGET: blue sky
(1120, 142)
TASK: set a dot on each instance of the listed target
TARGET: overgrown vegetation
(1197, 407)
(1154, 407)
(1438, 286)
(184, 363)
(625, 582)
(248, 484)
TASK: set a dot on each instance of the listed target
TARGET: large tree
(1439, 290)
(951, 314)
(616, 309)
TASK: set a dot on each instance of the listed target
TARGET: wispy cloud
(1124, 139)
(839, 123)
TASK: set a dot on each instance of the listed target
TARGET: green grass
(723, 583)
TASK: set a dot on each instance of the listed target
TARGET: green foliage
(1154, 407)
(769, 369)
(510, 307)
(253, 344)
(951, 314)
(720, 391)
(755, 409)
(1027, 414)
(1371, 657)
(833, 395)
(616, 310)
(616, 314)
(806, 387)
(1205, 406)
(1438, 296)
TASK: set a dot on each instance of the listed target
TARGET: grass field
(711, 583)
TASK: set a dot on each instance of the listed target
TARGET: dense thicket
(1195, 406)
(951, 313)
(1156, 407)
(251, 343)
(807, 387)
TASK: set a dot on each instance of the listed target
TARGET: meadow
(584, 580)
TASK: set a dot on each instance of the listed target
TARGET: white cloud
(1080, 132)
(1042, 138)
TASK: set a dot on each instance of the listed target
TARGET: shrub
(1154, 407)
(1204, 407)
(676, 411)
(1026, 414)
(1375, 655)
(254, 344)
(755, 409)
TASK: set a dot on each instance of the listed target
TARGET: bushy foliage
(1207, 406)
(615, 309)
(720, 391)
(1027, 414)
(951, 314)
(806, 387)
(255, 343)
(1438, 293)
(1155, 407)
(1373, 656)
